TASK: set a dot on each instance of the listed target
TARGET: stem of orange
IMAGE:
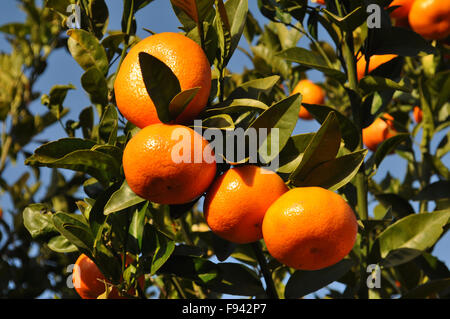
(271, 291)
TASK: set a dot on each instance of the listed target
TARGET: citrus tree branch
(271, 291)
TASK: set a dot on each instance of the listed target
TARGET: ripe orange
(89, 282)
(322, 2)
(431, 18)
(235, 204)
(378, 131)
(168, 164)
(417, 114)
(401, 13)
(375, 62)
(309, 228)
(187, 61)
(311, 94)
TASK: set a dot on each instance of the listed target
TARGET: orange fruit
(235, 204)
(89, 282)
(431, 18)
(375, 62)
(417, 114)
(400, 14)
(322, 2)
(311, 94)
(1, 212)
(168, 164)
(187, 61)
(309, 228)
(378, 131)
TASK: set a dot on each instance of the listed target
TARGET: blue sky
(158, 17)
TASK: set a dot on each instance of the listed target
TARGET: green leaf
(435, 191)
(236, 279)
(75, 154)
(136, 229)
(38, 220)
(197, 10)
(349, 132)
(351, 21)
(386, 148)
(164, 247)
(370, 84)
(75, 229)
(86, 120)
(292, 152)
(303, 282)
(86, 50)
(61, 244)
(161, 83)
(99, 16)
(236, 11)
(193, 268)
(180, 101)
(121, 199)
(322, 148)
(94, 83)
(281, 116)
(55, 99)
(312, 60)
(400, 41)
(415, 233)
(108, 126)
(343, 170)
(237, 106)
(400, 206)
(428, 289)
(253, 88)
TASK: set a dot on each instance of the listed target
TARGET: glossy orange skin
(309, 228)
(375, 62)
(152, 172)
(311, 94)
(431, 18)
(401, 13)
(417, 114)
(322, 2)
(378, 131)
(237, 201)
(89, 282)
(187, 61)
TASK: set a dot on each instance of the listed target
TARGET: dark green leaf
(435, 191)
(416, 232)
(180, 101)
(344, 168)
(38, 220)
(121, 199)
(281, 116)
(351, 21)
(161, 83)
(428, 289)
(304, 282)
(312, 60)
(292, 152)
(236, 279)
(348, 129)
(94, 83)
(322, 148)
(397, 40)
(136, 229)
(253, 88)
(75, 229)
(369, 84)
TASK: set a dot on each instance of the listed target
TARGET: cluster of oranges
(305, 228)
